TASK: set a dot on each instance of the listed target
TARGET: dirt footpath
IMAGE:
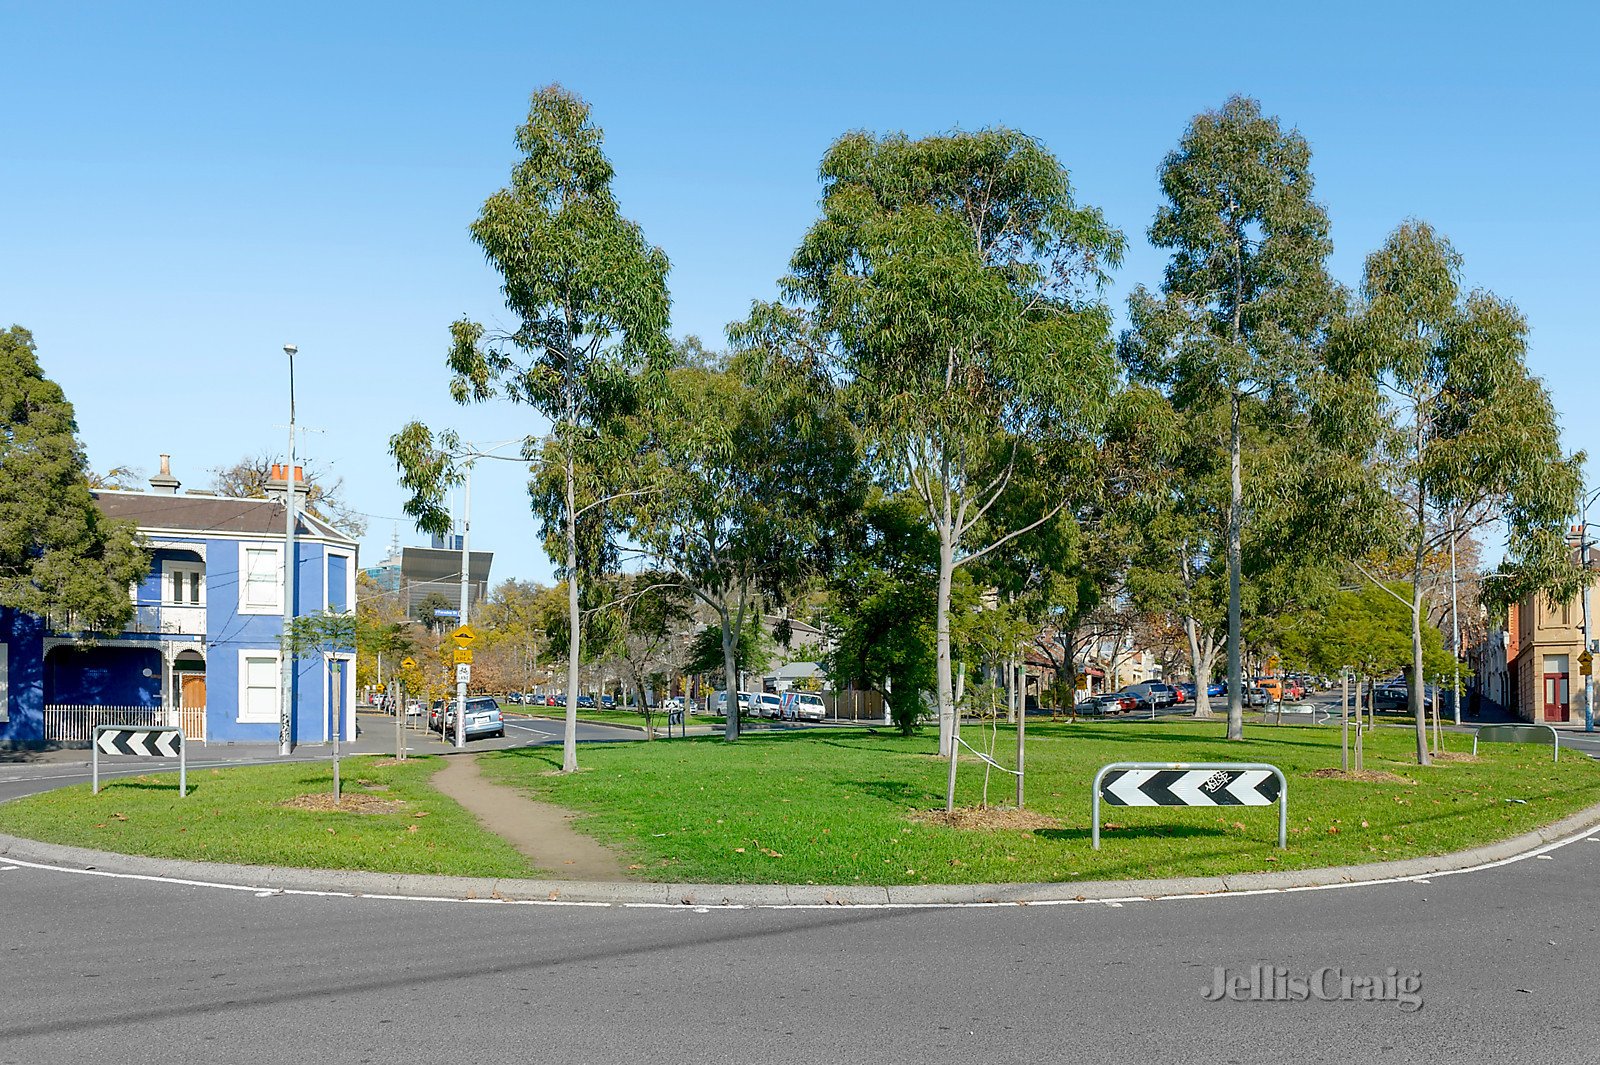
(540, 831)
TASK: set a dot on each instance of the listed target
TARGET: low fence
(76, 724)
(853, 705)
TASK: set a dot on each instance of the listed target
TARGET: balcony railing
(169, 619)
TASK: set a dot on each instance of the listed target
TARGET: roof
(209, 514)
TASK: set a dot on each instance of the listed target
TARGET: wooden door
(1557, 702)
(192, 697)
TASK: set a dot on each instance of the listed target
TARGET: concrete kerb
(406, 885)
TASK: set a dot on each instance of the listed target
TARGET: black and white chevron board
(141, 741)
(1192, 784)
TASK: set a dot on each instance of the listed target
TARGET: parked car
(803, 706)
(414, 707)
(1152, 693)
(483, 717)
(747, 704)
(1256, 697)
(1271, 685)
(608, 701)
(586, 702)
(514, 697)
(1391, 697)
(1110, 703)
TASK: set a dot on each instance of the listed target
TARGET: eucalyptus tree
(751, 481)
(59, 556)
(1245, 298)
(949, 296)
(587, 341)
(1436, 384)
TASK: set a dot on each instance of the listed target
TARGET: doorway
(189, 691)
(1557, 694)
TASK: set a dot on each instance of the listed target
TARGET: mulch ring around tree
(352, 802)
(1361, 776)
(987, 819)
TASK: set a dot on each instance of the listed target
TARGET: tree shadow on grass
(1131, 832)
(898, 792)
(134, 784)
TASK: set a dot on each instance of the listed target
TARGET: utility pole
(285, 710)
(1455, 629)
(466, 558)
(1583, 565)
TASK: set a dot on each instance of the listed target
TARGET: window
(184, 585)
(259, 686)
(260, 579)
(338, 582)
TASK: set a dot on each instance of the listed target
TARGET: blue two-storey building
(204, 647)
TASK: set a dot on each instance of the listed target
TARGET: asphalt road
(98, 968)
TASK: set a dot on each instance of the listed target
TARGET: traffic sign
(140, 741)
(463, 673)
(408, 663)
(463, 655)
(1189, 787)
(1191, 784)
(1586, 663)
(464, 636)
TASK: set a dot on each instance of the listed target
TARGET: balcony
(168, 619)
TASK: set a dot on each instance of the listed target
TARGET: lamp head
(290, 349)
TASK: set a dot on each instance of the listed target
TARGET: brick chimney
(278, 480)
(164, 483)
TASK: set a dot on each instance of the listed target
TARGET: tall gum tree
(1459, 431)
(589, 305)
(950, 297)
(1245, 297)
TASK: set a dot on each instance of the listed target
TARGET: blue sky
(185, 188)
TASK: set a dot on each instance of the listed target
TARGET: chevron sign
(141, 741)
(1190, 787)
(1191, 784)
(145, 743)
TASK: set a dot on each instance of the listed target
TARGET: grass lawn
(236, 815)
(838, 806)
(610, 717)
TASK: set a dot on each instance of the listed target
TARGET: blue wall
(23, 635)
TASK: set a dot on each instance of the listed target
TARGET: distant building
(435, 570)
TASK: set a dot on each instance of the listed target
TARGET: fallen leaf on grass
(738, 850)
(120, 817)
(411, 828)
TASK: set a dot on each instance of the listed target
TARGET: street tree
(59, 556)
(328, 635)
(949, 298)
(1245, 299)
(1435, 383)
(588, 338)
(752, 479)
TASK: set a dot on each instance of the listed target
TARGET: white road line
(528, 728)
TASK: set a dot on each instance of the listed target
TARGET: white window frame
(245, 606)
(188, 569)
(349, 578)
(5, 683)
(276, 658)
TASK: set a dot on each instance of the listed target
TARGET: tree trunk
(1022, 728)
(1200, 666)
(1418, 706)
(946, 694)
(730, 677)
(1235, 563)
(569, 742)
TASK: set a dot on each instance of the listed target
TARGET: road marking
(528, 728)
(6, 868)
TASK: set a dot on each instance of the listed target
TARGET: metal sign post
(140, 741)
(1192, 784)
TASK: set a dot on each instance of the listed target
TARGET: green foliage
(948, 297)
(705, 651)
(59, 557)
(1366, 629)
(326, 633)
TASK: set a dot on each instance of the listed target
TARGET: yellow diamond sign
(464, 636)
(408, 663)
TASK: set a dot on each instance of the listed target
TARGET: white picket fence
(75, 724)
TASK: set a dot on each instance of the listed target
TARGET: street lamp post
(466, 560)
(285, 709)
(1583, 565)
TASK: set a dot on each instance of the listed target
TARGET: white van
(769, 705)
(747, 703)
(803, 706)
